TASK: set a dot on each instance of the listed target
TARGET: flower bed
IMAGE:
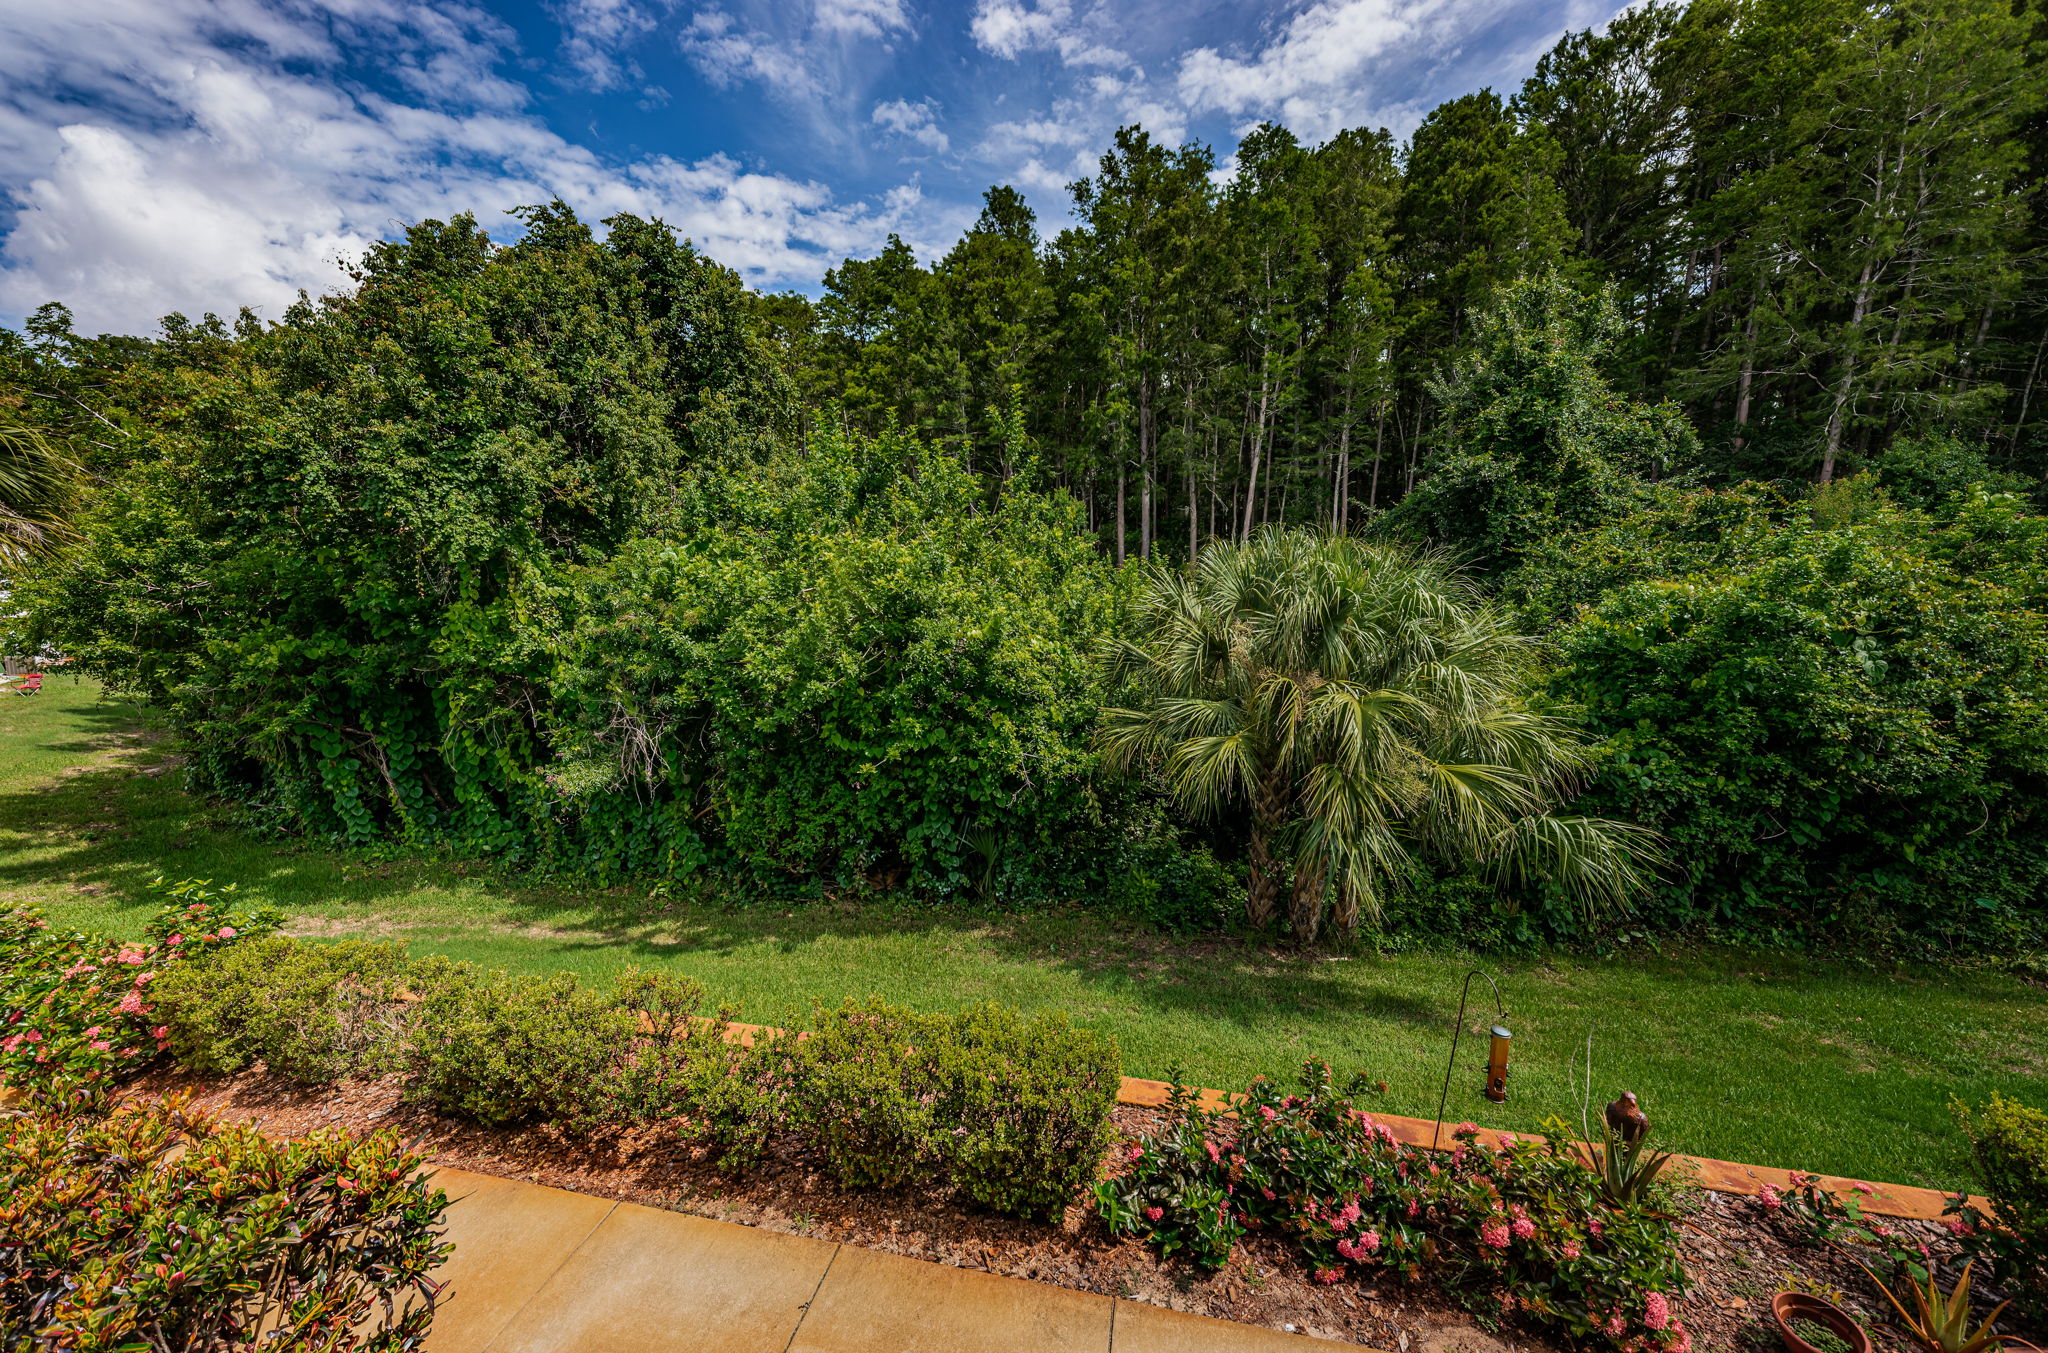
(928, 1126)
(78, 1011)
(1521, 1231)
(160, 1228)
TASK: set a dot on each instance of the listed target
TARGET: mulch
(1736, 1260)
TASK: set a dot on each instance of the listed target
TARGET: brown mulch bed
(1736, 1262)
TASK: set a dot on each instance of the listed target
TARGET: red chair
(30, 684)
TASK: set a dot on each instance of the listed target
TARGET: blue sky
(194, 155)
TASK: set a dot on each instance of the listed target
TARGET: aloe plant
(1625, 1172)
(1938, 1323)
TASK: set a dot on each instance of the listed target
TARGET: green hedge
(1014, 1112)
(310, 1012)
(159, 1228)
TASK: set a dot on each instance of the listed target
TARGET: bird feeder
(1495, 1087)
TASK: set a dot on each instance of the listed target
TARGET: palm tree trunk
(1305, 906)
(1344, 912)
(1268, 816)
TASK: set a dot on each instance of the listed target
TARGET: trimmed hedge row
(1014, 1112)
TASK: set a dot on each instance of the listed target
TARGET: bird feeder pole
(1496, 1087)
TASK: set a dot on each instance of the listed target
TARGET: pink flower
(1956, 1227)
(32, 1036)
(99, 1045)
(1656, 1310)
(1339, 1225)
(10, 1043)
(175, 940)
(1509, 1139)
(1266, 1112)
(1154, 1213)
(1414, 1207)
(1523, 1228)
(1683, 1343)
(1494, 1235)
(131, 1004)
(1368, 1241)
(93, 1032)
(1214, 1154)
(1616, 1326)
(1862, 1188)
(160, 1031)
(132, 956)
(1463, 1128)
(1593, 1225)
(1571, 1249)
(1769, 1198)
(227, 932)
(1136, 1153)
(1328, 1275)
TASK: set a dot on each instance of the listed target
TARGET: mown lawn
(1765, 1058)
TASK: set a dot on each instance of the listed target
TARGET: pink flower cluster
(1360, 1249)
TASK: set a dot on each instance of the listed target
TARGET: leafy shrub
(310, 1012)
(2009, 1145)
(501, 1048)
(1026, 1104)
(160, 1228)
(1834, 722)
(741, 1098)
(1171, 1194)
(79, 1011)
(866, 1092)
(1522, 1230)
(1014, 1112)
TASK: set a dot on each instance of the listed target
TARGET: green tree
(1364, 704)
(1533, 440)
(1832, 707)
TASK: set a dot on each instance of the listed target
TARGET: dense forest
(1616, 507)
(1817, 218)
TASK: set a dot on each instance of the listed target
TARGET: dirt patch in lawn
(1736, 1261)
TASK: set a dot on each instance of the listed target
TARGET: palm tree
(1366, 704)
(38, 486)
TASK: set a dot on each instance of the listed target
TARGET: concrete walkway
(541, 1270)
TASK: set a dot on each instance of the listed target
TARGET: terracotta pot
(1787, 1307)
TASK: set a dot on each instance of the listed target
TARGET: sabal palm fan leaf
(1365, 703)
(38, 486)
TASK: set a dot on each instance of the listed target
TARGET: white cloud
(596, 34)
(1010, 28)
(1321, 71)
(728, 54)
(201, 155)
(862, 18)
(917, 121)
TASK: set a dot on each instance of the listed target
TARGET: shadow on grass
(111, 828)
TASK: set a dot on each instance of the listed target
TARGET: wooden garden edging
(1722, 1176)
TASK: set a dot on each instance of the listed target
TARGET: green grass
(1767, 1058)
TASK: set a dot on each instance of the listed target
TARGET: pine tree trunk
(1748, 376)
(1837, 416)
(1251, 489)
(1120, 477)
